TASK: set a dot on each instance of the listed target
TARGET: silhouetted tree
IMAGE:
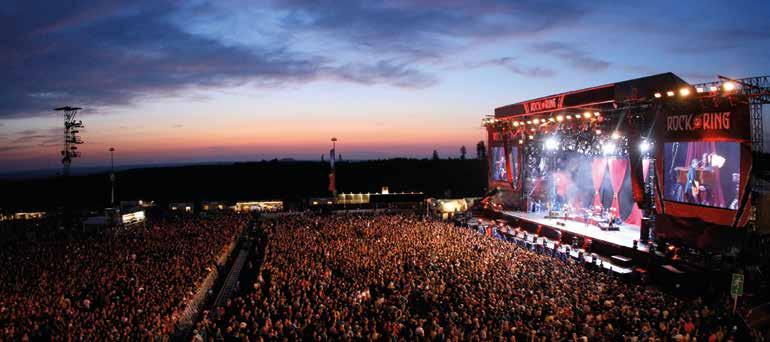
(463, 151)
(481, 150)
(339, 157)
(435, 155)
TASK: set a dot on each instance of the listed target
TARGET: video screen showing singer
(702, 173)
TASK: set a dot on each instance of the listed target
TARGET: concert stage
(623, 237)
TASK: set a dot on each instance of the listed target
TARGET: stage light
(529, 122)
(536, 121)
(598, 132)
(608, 148)
(569, 117)
(713, 88)
(699, 90)
(684, 91)
(644, 146)
(717, 161)
(551, 119)
(551, 144)
(670, 93)
(615, 135)
(596, 114)
(658, 95)
(559, 118)
(531, 137)
(587, 115)
(515, 124)
(729, 86)
(521, 141)
(532, 129)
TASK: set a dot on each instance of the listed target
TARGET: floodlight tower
(71, 137)
(112, 177)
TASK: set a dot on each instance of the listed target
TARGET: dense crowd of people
(399, 277)
(126, 285)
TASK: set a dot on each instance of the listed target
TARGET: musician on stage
(691, 182)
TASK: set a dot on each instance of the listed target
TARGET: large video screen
(702, 173)
(499, 171)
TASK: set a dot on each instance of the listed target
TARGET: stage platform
(623, 237)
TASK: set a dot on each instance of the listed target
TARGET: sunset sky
(198, 81)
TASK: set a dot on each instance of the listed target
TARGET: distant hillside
(286, 180)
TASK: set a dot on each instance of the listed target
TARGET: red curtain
(635, 217)
(617, 173)
(597, 172)
(645, 169)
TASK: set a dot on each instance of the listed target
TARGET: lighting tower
(71, 137)
(333, 174)
(112, 177)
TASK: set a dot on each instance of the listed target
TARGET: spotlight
(521, 141)
(729, 86)
(569, 117)
(699, 90)
(684, 91)
(644, 146)
(608, 148)
(536, 121)
(559, 118)
(529, 122)
(596, 114)
(515, 124)
(670, 93)
(532, 129)
(713, 88)
(598, 132)
(551, 144)
(615, 135)
(587, 115)
(551, 119)
(531, 137)
(717, 161)
(658, 95)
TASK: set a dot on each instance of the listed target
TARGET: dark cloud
(426, 29)
(107, 53)
(512, 65)
(573, 56)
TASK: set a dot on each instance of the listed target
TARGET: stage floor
(624, 237)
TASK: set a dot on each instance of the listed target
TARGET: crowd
(399, 277)
(128, 285)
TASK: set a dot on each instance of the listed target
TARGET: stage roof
(635, 89)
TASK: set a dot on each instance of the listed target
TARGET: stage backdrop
(703, 168)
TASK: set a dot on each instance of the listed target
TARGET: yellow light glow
(587, 115)
(559, 118)
(684, 91)
(536, 121)
(529, 122)
(729, 86)
(515, 124)
(615, 135)
(596, 114)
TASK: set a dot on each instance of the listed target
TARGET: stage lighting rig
(71, 137)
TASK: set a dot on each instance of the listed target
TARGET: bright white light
(713, 88)
(658, 95)
(699, 89)
(559, 118)
(608, 148)
(569, 117)
(717, 161)
(615, 135)
(670, 93)
(536, 121)
(515, 124)
(729, 86)
(551, 144)
(644, 146)
(597, 113)
(684, 91)
(521, 141)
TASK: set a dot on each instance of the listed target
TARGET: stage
(624, 237)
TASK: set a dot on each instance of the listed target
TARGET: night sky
(195, 81)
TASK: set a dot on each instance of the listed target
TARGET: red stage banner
(597, 173)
